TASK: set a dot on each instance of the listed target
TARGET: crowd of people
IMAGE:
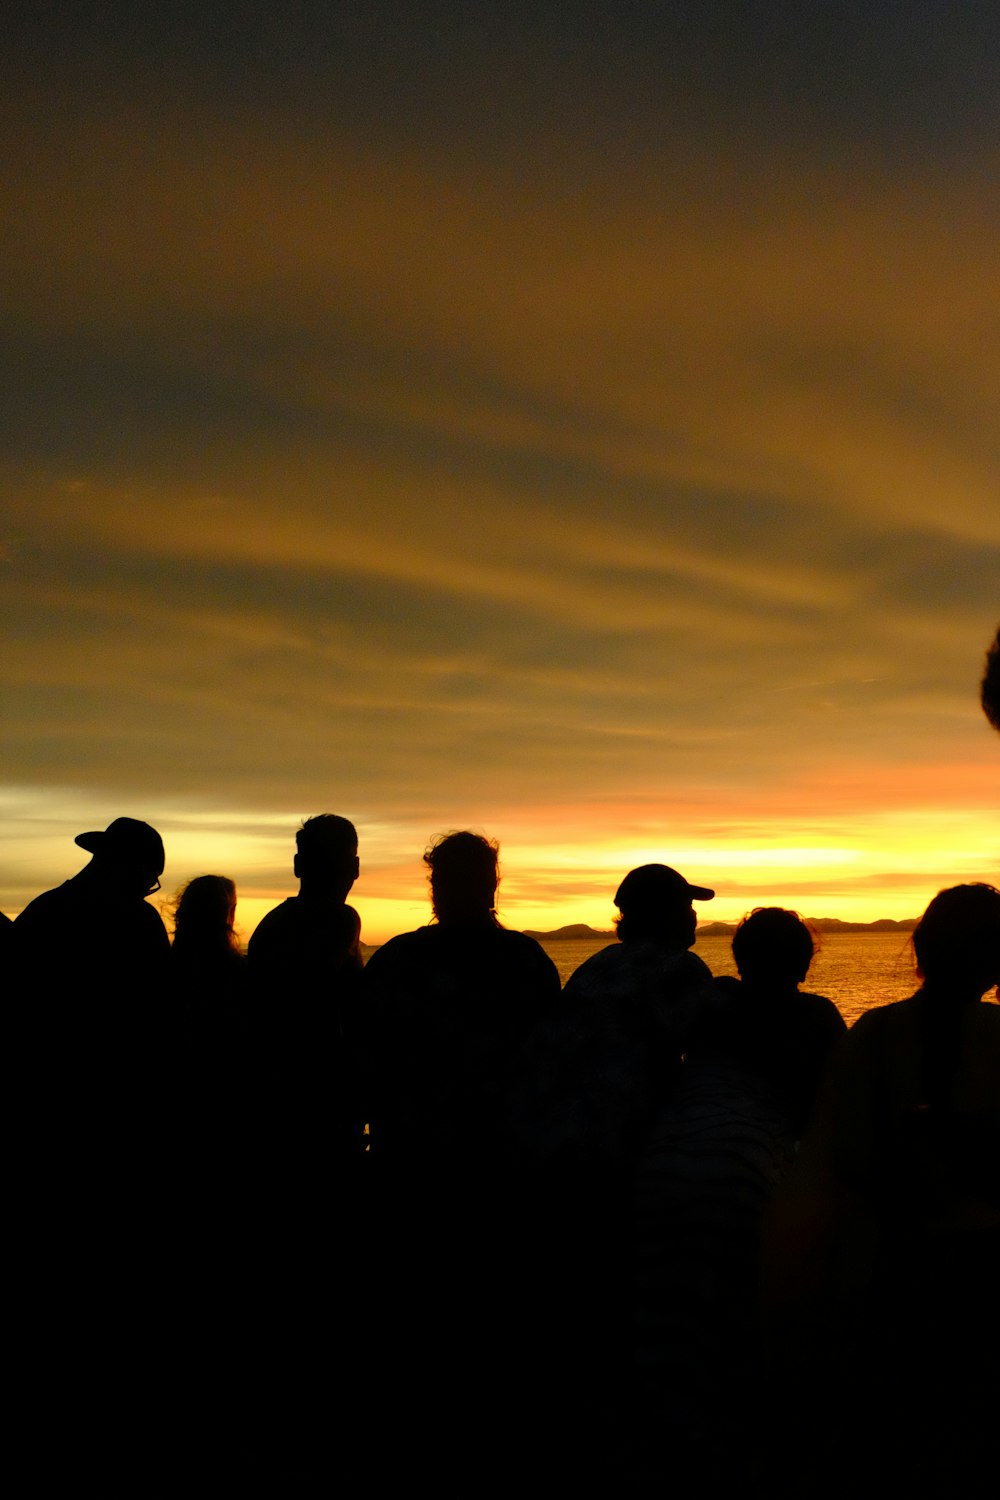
(287, 1216)
(285, 1220)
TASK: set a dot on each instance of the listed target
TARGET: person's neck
(947, 992)
(469, 921)
(98, 881)
(317, 891)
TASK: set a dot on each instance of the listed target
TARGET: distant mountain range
(580, 932)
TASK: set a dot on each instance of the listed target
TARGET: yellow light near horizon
(561, 865)
(381, 918)
(753, 855)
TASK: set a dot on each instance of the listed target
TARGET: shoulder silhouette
(990, 689)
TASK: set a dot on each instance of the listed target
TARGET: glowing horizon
(859, 866)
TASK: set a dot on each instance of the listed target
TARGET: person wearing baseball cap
(96, 930)
(128, 856)
(90, 961)
(643, 991)
(628, 1015)
(655, 903)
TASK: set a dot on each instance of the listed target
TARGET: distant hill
(579, 931)
(575, 932)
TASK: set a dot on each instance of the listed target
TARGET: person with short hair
(305, 970)
(305, 967)
(776, 1032)
(300, 946)
(305, 955)
(717, 1151)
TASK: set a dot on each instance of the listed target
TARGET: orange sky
(592, 444)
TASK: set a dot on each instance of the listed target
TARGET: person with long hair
(903, 1167)
(204, 918)
(216, 1150)
(208, 963)
(211, 1019)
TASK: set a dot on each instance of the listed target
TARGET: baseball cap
(125, 838)
(658, 885)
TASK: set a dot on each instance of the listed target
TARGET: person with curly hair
(449, 1010)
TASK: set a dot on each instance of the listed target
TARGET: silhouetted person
(209, 992)
(208, 976)
(91, 958)
(6, 928)
(447, 1008)
(991, 684)
(305, 971)
(205, 940)
(768, 1026)
(219, 1149)
(604, 1065)
(718, 1149)
(900, 1176)
(448, 1012)
(313, 936)
(92, 945)
(633, 1008)
(94, 1132)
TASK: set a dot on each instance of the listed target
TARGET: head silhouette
(204, 914)
(127, 857)
(464, 875)
(326, 857)
(773, 946)
(655, 906)
(990, 690)
(957, 941)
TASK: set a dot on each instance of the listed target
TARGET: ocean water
(856, 970)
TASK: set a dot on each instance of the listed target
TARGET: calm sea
(857, 970)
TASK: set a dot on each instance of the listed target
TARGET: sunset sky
(577, 422)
